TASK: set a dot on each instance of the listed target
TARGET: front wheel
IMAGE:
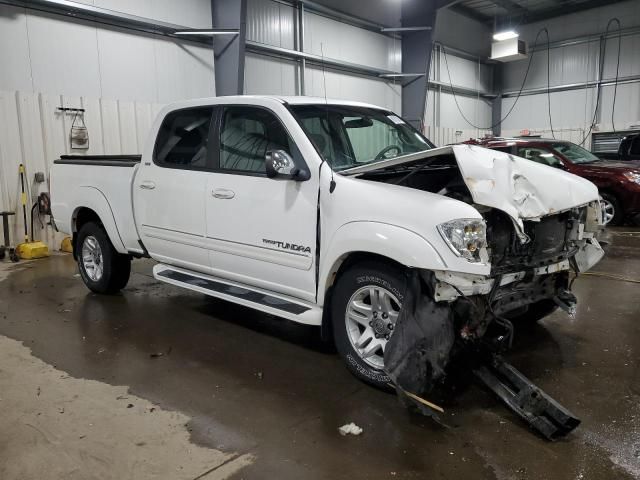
(102, 268)
(612, 210)
(365, 306)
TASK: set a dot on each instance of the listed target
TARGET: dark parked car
(629, 149)
(618, 182)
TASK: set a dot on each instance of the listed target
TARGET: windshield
(349, 137)
(575, 153)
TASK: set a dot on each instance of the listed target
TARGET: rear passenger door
(260, 231)
(169, 190)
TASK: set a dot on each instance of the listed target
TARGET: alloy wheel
(92, 260)
(371, 315)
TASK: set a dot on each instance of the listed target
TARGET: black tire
(535, 312)
(116, 268)
(618, 216)
(374, 273)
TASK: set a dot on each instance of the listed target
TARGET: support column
(416, 54)
(229, 51)
(496, 103)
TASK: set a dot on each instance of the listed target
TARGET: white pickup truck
(321, 211)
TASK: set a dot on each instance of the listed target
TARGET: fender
(95, 200)
(396, 243)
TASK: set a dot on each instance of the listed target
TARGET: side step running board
(258, 299)
(535, 407)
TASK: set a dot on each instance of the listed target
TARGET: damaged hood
(523, 189)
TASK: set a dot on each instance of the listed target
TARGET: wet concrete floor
(257, 384)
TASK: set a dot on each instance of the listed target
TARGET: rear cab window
(183, 139)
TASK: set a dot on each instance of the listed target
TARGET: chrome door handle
(147, 185)
(223, 193)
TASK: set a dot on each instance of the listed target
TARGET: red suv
(618, 182)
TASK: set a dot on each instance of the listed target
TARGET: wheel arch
(340, 265)
(96, 208)
(357, 242)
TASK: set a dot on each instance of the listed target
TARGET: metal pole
(303, 61)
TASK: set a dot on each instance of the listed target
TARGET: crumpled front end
(449, 315)
(454, 313)
(525, 273)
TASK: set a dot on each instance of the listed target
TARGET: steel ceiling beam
(81, 11)
(318, 60)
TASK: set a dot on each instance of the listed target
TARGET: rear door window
(183, 139)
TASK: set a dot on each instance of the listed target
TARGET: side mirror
(279, 164)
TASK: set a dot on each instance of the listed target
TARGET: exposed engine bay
(533, 255)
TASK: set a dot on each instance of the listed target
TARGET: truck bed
(102, 183)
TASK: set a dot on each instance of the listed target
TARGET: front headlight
(632, 176)
(467, 237)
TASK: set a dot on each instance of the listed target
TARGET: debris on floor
(350, 429)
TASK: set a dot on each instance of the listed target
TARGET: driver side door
(260, 231)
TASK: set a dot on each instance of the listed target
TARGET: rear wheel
(612, 210)
(102, 268)
(366, 302)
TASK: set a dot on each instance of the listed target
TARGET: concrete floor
(267, 391)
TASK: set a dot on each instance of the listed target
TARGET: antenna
(332, 184)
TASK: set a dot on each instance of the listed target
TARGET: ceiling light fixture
(506, 35)
(208, 32)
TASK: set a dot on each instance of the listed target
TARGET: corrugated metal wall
(577, 64)
(274, 23)
(35, 134)
(47, 53)
(119, 77)
(464, 111)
